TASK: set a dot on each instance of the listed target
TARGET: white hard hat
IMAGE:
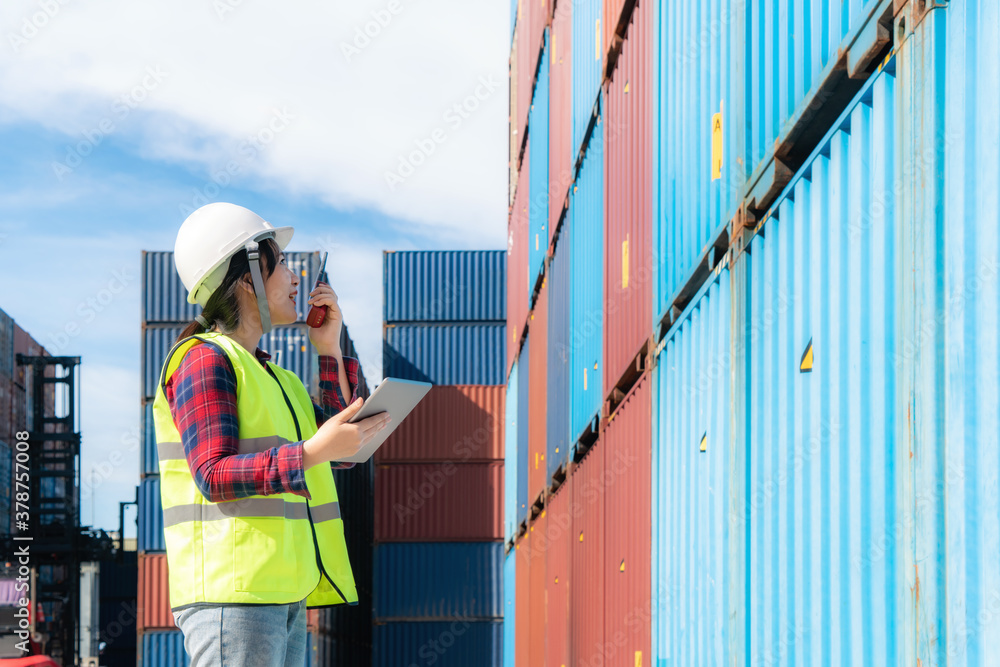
(210, 236)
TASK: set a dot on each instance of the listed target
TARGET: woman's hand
(336, 439)
(326, 338)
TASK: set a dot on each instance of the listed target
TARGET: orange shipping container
(558, 541)
(587, 560)
(536, 595)
(517, 263)
(537, 423)
(522, 621)
(456, 423)
(153, 599)
(561, 156)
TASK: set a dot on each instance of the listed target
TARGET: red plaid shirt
(202, 398)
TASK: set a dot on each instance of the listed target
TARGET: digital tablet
(395, 396)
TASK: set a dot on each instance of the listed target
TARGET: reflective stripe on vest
(260, 549)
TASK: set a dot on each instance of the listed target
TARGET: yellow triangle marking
(638, 659)
(581, 536)
(626, 88)
(621, 568)
(557, 580)
(806, 365)
(703, 447)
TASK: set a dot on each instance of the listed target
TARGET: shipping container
(946, 356)
(613, 21)
(522, 617)
(163, 648)
(523, 424)
(627, 444)
(443, 644)
(562, 156)
(700, 161)
(558, 543)
(6, 345)
(289, 348)
(512, 464)
(164, 297)
(514, 135)
(820, 509)
(586, 289)
(458, 423)
(628, 271)
(538, 478)
(154, 594)
(444, 285)
(538, 209)
(517, 262)
(458, 502)
(150, 515)
(691, 482)
(538, 626)
(588, 49)
(557, 373)
(149, 463)
(509, 607)
(438, 581)
(525, 62)
(462, 353)
(116, 628)
(587, 601)
(343, 649)
(28, 346)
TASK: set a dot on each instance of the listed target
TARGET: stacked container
(439, 477)
(338, 631)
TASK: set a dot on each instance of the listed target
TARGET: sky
(366, 125)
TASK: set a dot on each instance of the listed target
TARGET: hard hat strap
(253, 254)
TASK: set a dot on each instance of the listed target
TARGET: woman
(251, 519)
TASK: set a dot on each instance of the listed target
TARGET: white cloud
(184, 84)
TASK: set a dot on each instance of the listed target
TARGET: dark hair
(223, 307)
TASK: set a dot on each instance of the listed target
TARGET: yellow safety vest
(272, 549)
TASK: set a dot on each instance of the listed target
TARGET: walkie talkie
(317, 314)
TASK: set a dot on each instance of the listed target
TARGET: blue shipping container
(509, 608)
(557, 401)
(149, 464)
(690, 568)
(586, 67)
(164, 649)
(442, 644)
(164, 297)
(438, 580)
(586, 218)
(510, 454)
(289, 348)
(523, 405)
(150, 515)
(698, 98)
(538, 208)
(445, 353)
(445, 286)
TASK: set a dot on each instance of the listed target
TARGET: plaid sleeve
(202, 398)
(332, 399)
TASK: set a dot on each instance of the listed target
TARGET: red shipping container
(587, 560)
(611, 14)
(532, 17)
(628, 201)
(561, 157)
(538, 370)
(558, 541)
(627, 514)
(522, 622)
(456, 423)
(536, 595)
(153, 599)
(439, 502)
(517, 263)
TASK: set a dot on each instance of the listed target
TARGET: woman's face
(281, 289)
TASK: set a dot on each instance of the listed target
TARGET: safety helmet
(209, 238)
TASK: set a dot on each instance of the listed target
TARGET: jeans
(226, 635)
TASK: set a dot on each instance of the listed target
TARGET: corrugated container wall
(558, 543)
(443, 644)
(537, 411)
(627, 505)
(587, 59)
(164, 297)
(523, 422)
(587, 600)
(439, 501)
(164, 649)
(821, 503)
(148, 465)
(538, 627)
(691, 484)
(611, 17)
(525, 68)
(557, 374)
(511, 461)
(628, 199)
(433, 580)
(444, 285)
(150, 515)
(457, 423)
(517, 263)
(154, 595)
(509, 608)
(699, 155)
(562, 157)
(538, 210)
(522, 617)
(587, 289)
(514, 135)
(461, 353)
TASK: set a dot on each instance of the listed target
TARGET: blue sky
(117, 120)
